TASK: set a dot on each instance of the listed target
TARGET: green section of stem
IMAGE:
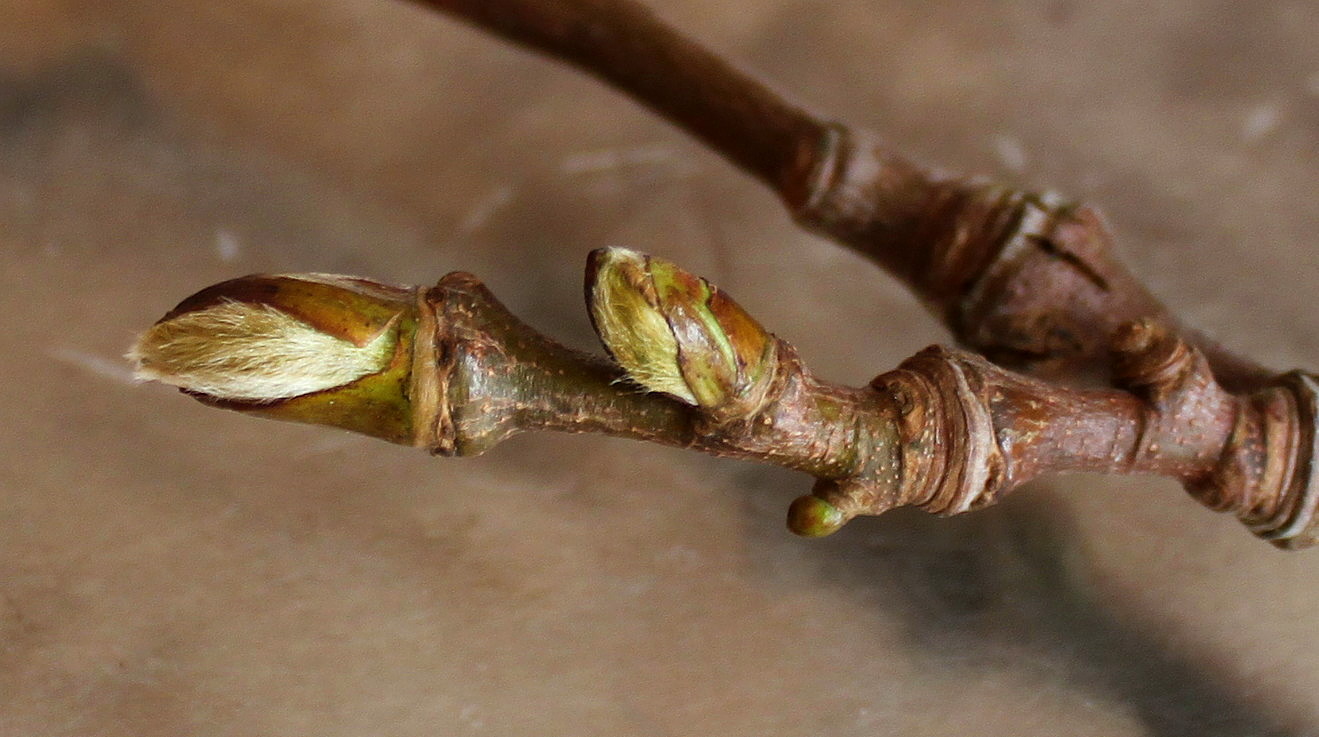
(531, 382)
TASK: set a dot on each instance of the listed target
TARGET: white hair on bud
(252, 352)
(635, 332)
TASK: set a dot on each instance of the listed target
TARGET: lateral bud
(674, 332)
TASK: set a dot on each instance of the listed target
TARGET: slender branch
(946, 431)
(1026, 279)
(1029, 281)
(627, 46)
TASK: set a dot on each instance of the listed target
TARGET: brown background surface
(171, 570)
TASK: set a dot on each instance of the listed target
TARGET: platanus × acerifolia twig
(1028, 281)
(946, 431)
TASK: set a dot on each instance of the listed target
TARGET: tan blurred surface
(166, 569)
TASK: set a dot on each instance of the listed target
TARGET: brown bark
(1027, 280)
(1030, 281)
(627, 46)
(947, 431)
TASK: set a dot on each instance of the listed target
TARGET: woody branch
(1028, 280)
(947, 431)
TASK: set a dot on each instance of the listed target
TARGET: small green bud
(811, 516)
(676, 333)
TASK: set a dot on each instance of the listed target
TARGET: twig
(1029, 281)
(947, 431)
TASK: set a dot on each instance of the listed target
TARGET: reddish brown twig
(947, 431)
(1029, 281)
(624, 44)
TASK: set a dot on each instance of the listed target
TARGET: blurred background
(166, 569)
